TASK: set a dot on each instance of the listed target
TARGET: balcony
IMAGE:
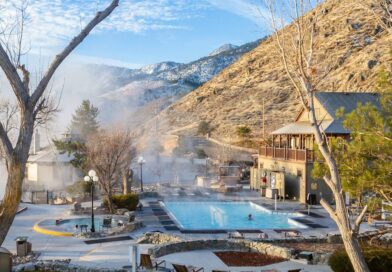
(287, 154)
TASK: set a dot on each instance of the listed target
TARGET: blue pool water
(228, 216)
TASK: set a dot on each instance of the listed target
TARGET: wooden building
(291, 152)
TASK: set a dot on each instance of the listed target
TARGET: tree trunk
(349, 238)
(13, 193)
(125, 183)
(110, 203)
(340, 215)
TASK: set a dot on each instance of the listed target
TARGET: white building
(47, 169)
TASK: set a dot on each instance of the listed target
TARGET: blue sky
(143, 32)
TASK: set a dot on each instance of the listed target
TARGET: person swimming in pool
(250, 217)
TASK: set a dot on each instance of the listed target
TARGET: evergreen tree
(365, 161)
(84, 121)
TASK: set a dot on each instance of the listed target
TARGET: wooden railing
(288, 154)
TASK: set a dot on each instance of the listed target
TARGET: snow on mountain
(167, 80)
(159, 67)
(223, 48)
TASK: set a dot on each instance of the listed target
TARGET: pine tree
(84, 121)
(83, 124)
(365, 161)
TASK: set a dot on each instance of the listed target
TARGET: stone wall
(157, 238)
(240, 245)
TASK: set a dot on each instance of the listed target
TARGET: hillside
(348, 40)
(165, 80)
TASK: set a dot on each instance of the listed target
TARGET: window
(299, 173)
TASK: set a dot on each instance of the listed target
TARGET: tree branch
(329, 209)
(26, 76)
(13, 77)
(100, 16)
(5, 142)
(359, 219)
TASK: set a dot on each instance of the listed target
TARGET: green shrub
(243, 131)
(378, 260)
(203, 128)
(200, 153)
(79, 188)
(128, 201)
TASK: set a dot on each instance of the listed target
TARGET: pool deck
(115, 254)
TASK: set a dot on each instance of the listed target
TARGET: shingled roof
(331, 102)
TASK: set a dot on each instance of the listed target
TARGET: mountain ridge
(166, 80)
(349, 40)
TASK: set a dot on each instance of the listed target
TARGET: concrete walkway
(208, 260)
(116, 254)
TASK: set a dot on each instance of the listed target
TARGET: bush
(203, 128)
(79, 188)
(201, 154)
(128, 201)
(378, 260)
(243, 131)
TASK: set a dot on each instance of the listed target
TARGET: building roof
(49, 155)
(300, 128)
(331, 102)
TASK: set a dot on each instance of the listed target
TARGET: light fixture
(92, 173)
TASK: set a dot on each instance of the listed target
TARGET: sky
(138, 32)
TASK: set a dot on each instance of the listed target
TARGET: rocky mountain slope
(349, 40)
(167, 80)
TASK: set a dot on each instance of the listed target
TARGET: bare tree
(296, 48)
(31, 103)
(110, 154)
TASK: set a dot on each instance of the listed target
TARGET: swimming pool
(228, 216)
(69, 226)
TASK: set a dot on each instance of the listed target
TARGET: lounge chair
(295, 270)
(147, 263)
(236, 235)
(184, 268)
(292, 234)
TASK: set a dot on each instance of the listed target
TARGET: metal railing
(288, 154)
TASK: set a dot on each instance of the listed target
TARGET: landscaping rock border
(241, 245)
(168, 244)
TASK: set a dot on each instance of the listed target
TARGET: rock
(377, 30)
(121, 211)
(372, 63)
(356, 26)
(368, 40)
(336, 238)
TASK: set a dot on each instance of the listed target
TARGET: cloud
(75, 58)
(53, 22)
(251, 10)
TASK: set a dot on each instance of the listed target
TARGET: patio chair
(292, 234)
(107, 223)
(184, 268)
(147, 263)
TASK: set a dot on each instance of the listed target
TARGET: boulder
(122, 211)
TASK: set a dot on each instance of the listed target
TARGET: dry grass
(234, 96)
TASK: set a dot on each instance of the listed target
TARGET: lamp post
(92, 177)
(141, 161)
